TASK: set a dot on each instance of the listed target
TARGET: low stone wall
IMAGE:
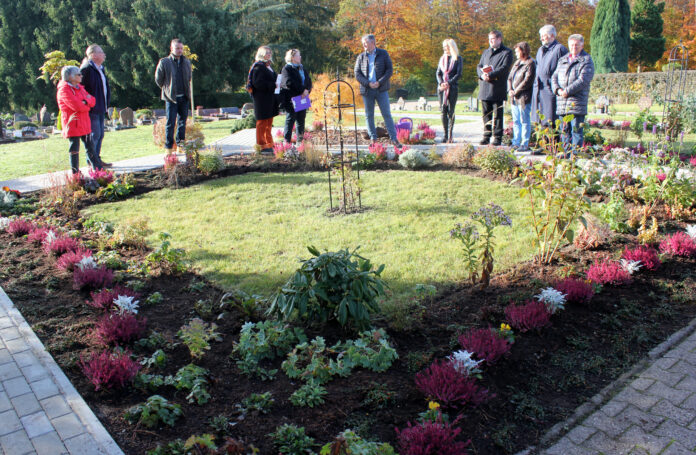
(630, 87)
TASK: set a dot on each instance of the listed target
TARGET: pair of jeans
(264, 134)
(492, 119)
(521, 124)
(92, 159)
(382, 98)
(291, 118)
(573, 134)
(180, 109)
(97, 121)
(447, 111)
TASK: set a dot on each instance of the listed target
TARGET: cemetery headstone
(44, 116)
(126, 117)
(422, 104)
(602, 104)
(230, 110)
(159, 112)
(19, 117)
(401, 104)
(645, 102)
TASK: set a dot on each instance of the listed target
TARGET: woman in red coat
(74, 103)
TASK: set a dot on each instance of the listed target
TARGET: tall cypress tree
(647, 42)
(611, 37)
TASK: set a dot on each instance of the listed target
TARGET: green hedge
(630, 87)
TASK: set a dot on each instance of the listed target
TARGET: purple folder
(300, 103)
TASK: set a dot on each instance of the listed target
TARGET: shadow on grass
(268, 178)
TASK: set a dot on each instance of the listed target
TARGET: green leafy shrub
(414, 159)
(310, 394)
(244, 123)
(265, 340)
(414, 87)
(197, 334)
(256, 402)
(165, 258)
(496, 160)
(210, 161)
(614, 213)
(154, 298)
(156, 409)
(314, 362)
(121, 187)
(157, 359)
(642, 122)
(292, 440)
(333, 285)
(370, 351)
(348, 442)
(193, 379)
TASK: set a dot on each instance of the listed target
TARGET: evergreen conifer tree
(610, 36)
(647, 42)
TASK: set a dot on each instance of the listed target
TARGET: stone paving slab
(40, 410)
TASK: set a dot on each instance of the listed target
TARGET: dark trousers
(492, 119)
(447, 111)
(573, 133)
(97, 121)
(92, 159)
(180, 109)
(291, 118)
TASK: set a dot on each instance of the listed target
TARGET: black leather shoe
(496, 142)
(485, 141)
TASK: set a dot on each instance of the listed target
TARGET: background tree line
(225, 34)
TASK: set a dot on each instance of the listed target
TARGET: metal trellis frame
(676, 78)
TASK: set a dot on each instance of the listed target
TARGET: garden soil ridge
(546, 376)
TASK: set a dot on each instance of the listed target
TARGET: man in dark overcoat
(493, 70)
(548, 55)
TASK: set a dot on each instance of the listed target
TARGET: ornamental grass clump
(70, 260)
(118, 329)
(608, 272)
(431, 438)
(59, 245)
(442, 382)
(104, 299)
(646, 255)
(530, 316)
(109, 370)
(19, 227)
(101, 277)
(487, 344)
(575, 290)
(679, 244)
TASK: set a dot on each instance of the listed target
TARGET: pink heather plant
(19, 227)
(104, 299)
(170, 161)
(403, 135)
(575, 290)
(422, 126)
(594, 122)
(68, 260)
(487, 344)
(280, 148)
(679, 244)
(103, 177)
(646, 255)
(37, 235)
(608, 272)
(692, 161)
(317, 125)
(428, 134)
(661, 176)
(530, 316)
(378, 149)
(60, 246)
(607, 122)
(101, 277)
(442, 382)
(626, 124)
(398, 151)
(117, 329)
(109, 370)
(431, 438)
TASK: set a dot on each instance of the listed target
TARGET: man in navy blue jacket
(96, 83)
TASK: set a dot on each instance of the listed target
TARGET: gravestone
(422, 104)
(401, 104)
(645, 102)
(247, 108)
(473, 104)
(159, 113)
(602, 104)
(19, 117)
(230, 110)
(44, 116)
(126, 116)
(112, 111)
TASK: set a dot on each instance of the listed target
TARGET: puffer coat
(74, 104)
(573, 77)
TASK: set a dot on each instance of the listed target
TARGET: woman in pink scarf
(449, 70)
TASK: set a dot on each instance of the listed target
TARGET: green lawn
(38, 157)
(249, 231)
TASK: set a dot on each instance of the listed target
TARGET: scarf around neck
(445, 74)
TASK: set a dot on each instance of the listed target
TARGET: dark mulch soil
(546, 376)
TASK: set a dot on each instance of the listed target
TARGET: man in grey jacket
(173, 76)
(571, 85)
(373, 68)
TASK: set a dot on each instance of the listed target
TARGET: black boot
(75, 162)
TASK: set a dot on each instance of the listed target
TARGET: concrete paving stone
(683, 367)
(662, 375)
(642, 383)
(636, 398)
(5, 356)
(678, 353)
(692, 425)
(10, 333)
(36, 424)
(632, 415)
(34, 372)
(566, 447)
(664, 362)
(688, 383)
(644, 440)
(637, 450)
(666, 409)
(671, 429)
(55, 406)
(9, 371)
(26, 358)
(611, 426)
(10, 422)
(613, 407)
(68, 426)
(676, 449)
(49, 444)
(5, 402)
(6, 322)
(26, 404)
(16, 386)
(16, 443)
(44, 388)
(17, 346)
(668, 392)
(689, 403)
(580, 433)
(607, 445)
(83, 444)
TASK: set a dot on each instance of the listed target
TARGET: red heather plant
(60, 246)
(68, 260)
(100, 277)
(37, 235)
(422, 125)
(104, 299)
(532, 315)
(442, 382)
(102, 177)
(431, 438)
(109, 370)
(170, 161)
(487, 344)
(403, 136)
(608, 272)
(117, 329)
(428, 134)
(679, 244)
(19, 227)
(646, 255)
(575, 290)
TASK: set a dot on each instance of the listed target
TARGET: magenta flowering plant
(109, 370)
(378, 149)
(428, 134)
(101, 176)
(608, 272)
(575, 290)
(19, 227)
(530, 316)
(280, 149)
(92, 278)
(646, 255)
(431, 438)
(679, 244)
(38, 234)
(69, 260)
(593, 122)
(403, 135)
(442, 382)
(422, 126)
(488, 344)
(170, 161)
(119, 328)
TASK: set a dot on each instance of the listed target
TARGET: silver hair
(68, 71)
(91, 49)
(577, 37)
(368, 37)
(549, 29)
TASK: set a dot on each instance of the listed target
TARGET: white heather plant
(463, 363)
(690, 230)
(50, 237)
(553, 299)
(4, 222)
(87, 262)
(630, 266)
(126, 304)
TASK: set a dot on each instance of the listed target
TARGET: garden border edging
(584, 410)
(74, 399)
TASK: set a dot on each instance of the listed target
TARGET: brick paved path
(40, 410)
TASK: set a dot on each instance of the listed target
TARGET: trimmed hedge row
(630, 87)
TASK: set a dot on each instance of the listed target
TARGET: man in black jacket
(493, 70)
(173, 76)
(97, 84)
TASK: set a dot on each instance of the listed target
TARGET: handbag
(300, 103)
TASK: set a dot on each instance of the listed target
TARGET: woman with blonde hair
(449, 70)
(261, 83)
(294, 81)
